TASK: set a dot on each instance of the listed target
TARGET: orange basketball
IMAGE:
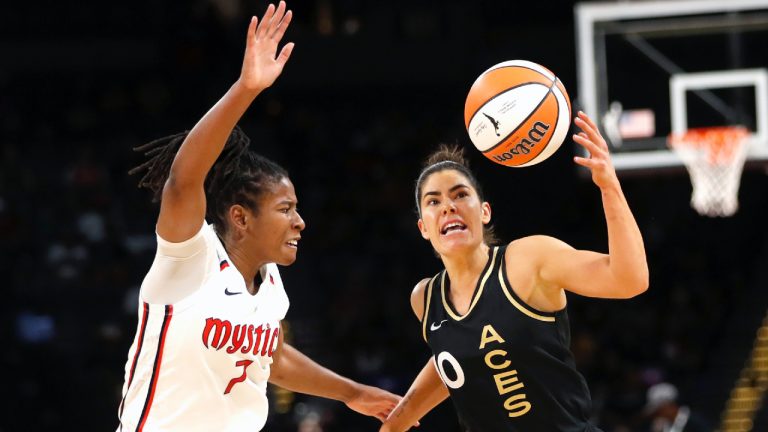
(517, 113)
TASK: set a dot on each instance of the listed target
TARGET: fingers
(584, 126)
(599, 160)
(588, 163)
(272, 26)
(587, 119)
(266, 20)
(590, 128)
(582, 161)
(279, 30)
(251, 31)
(285, 53)
(386, 410)
(584, 140)
(276, 19)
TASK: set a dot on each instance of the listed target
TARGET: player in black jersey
(495, 318)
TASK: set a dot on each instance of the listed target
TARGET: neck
(464, 269)
(246, 264)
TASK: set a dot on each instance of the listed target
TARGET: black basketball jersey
(507, 366)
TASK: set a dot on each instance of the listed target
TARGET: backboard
(649, 68)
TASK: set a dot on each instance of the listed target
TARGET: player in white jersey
(209, 338)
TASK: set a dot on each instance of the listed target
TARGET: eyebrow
(458, 186)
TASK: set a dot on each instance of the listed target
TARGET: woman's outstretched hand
(261, 64)
(599, 160)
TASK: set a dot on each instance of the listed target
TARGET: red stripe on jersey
(139, 345)
(222, 265)
(156, 368)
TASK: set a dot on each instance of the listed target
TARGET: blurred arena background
(370, 89)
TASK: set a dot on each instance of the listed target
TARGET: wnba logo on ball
(536, 134)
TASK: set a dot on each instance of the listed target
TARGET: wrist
(241, 88)
(610, 186)
(349, 391)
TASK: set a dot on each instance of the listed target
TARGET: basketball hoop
(715, 158)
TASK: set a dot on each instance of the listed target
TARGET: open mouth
(451, 227)
(293, 243)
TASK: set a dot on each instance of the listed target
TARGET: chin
(287, 260)
(455, 247)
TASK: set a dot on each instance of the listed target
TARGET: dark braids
(451, 157)
(160, 154)
(239, 175)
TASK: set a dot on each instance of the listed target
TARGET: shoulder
(417, 298)
(202, 239)
(538, 240)
(535, 246)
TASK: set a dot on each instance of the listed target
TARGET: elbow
(638, 289)
(179, 185)
(635, 285)
(177, 180)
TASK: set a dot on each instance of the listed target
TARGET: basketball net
(715, 158)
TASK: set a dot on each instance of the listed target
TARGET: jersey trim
(478, 290)
(156, 368)
(518, 304)
(139, 345)
(428, 298)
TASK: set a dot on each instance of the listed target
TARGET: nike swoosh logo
(228, 292)
(434, 326)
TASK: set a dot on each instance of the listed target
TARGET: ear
(486, 216)
(238, 217)
(423, 229)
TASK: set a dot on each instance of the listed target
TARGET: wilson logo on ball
(525, 145)
(517, 113)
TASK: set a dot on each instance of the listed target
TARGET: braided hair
(239, 175)
(451, 157)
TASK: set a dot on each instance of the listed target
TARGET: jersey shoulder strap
(428, 295)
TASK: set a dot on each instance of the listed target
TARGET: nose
(449, 207)
(298, 223)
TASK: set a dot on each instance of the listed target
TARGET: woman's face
(275, 229)
(452, 215)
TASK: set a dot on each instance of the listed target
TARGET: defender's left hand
(373, 401)
(261, 66)
(599, 161)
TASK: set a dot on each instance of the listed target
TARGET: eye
(462, 194)
(432, 201)
(285, 210)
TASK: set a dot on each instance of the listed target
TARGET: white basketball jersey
(202, 363)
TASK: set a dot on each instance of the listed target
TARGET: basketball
(517, 113)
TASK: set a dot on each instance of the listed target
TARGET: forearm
(426, 392)
(296, 372)
(207, 138)
(625, 243)
(623, 272)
